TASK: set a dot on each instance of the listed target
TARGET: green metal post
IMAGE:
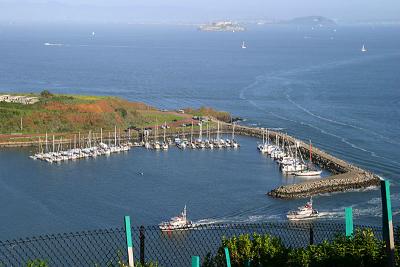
(387, 223)
(349, 221)
(195, 261)
(128, 232)
(228, 258)
(247, 263)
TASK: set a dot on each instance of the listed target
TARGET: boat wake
(387, 139)
(53, 44)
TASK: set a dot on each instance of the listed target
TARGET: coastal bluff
(345, 176)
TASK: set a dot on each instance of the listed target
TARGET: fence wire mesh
(170, 248)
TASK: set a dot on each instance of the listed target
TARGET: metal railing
(173, 248)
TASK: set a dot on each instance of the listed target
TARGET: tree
(46, 94)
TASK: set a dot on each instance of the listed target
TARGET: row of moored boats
(288, 156)
(91, 149)
(199, 142)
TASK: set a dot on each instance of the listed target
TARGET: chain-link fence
(169, 248)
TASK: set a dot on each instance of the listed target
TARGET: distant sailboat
(244, 45)
(363, 49)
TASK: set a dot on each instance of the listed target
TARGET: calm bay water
(316, 84)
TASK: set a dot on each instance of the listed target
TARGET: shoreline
(345, 176)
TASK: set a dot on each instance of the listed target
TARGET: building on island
(26, 100)
(222, 26)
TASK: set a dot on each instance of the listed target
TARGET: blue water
(316, 84)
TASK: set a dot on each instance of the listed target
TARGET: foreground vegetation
(362, 249)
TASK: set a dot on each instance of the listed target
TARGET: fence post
(387, 223)
(128, 232)
(228, 258)
(141, 237)
(311, 235)
(195, 261)
(349, 221)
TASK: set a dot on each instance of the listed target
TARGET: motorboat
(308, 172)
(303, 213)
(177, 223)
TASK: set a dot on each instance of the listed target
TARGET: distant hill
(311, 21)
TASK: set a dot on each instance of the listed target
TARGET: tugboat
(303, 213)
(177, 223)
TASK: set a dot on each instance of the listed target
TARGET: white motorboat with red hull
(303, 213)
(177, 223)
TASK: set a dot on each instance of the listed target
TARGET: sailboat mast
(310, 152)
(54, 144)
(191, 133)
(201, 129)
(115, 135)
(101, 135)
(47, 147)
(165, 127)
(218, 132)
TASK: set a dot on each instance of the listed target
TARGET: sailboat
(309, 171)
(363, 49)
(243, 45)
(164, 145)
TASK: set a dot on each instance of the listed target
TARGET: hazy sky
(125, 11)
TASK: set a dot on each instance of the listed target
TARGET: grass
(73, 113)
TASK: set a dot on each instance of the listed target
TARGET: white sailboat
(244, 45)
(309, 171)
(363, 49)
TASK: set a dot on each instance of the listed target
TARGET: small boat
(308, 172)
(177, 223)
(243, 45)
(303, 213)
(363, 49)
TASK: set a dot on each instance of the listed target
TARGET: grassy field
(72, 113)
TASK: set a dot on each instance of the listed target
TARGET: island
(222, 26)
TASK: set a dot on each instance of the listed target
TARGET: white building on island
(26, 100)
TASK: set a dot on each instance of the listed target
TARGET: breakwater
(345, 176)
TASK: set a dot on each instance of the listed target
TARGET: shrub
(362, 249)
(37, 263)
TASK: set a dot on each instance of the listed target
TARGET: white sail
(363, 49)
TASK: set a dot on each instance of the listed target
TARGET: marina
(290, 154)
(304, 92)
